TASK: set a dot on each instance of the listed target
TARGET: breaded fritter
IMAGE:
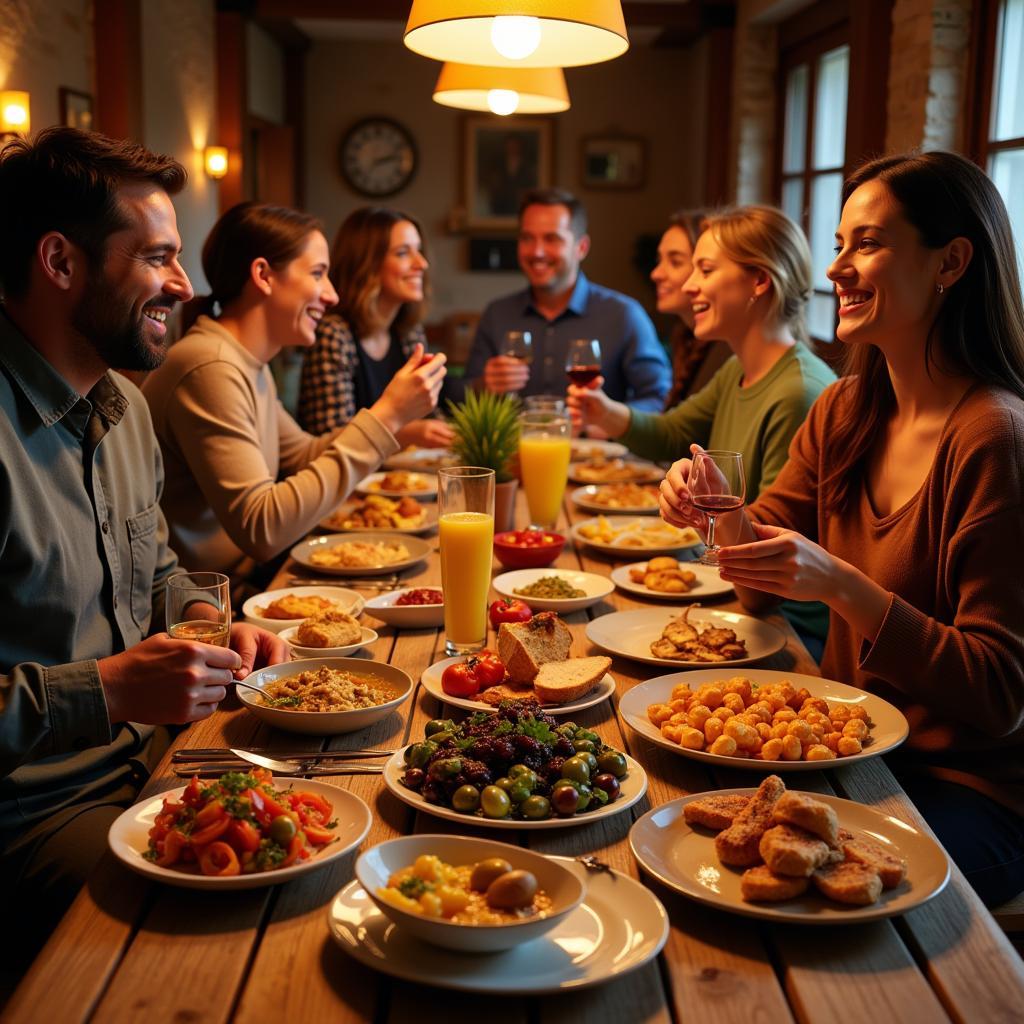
(807, 813)
(791, 851)
(738, 844)
(848, 882)
(890, 868)
(717, 811)
(759, 885)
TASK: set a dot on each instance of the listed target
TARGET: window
(815, 76)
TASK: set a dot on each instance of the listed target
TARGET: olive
(414, 777)
(608, 783)
(586, 734)
(441, 737)
(445, 768)
(565, 800)
(486, 871)
(518, 769)
(438, 725)
(505, 783)
(598, 796)
(495, 802)
(512, 890)
(525, 777)
(282, 830)
(536, 808)
(590, 759)
(466, 799)
(421, 753)
(576, 768)
(583, 746)
(518, 793)
(585, 796)
(613, 762)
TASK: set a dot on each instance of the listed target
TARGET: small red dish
(527, 549)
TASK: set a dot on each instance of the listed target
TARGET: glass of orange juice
(465, 496)
(544, 450)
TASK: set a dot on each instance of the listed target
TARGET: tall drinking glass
(199, 607)
(717, 485)
(544, 450)
(465, 496)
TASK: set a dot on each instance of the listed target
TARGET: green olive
(512, 890)
(486, 871)
(505, 783)
(535, 808)
(466, 799)
(518, 793)
(518, 769)
(583, 746)
(612, 762)
(282, 830)
(421, 753)
(576, 769)
(495, 802)
(590, 759)
(438, 725)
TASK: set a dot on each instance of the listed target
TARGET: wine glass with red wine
(583, 361)
(717, 485)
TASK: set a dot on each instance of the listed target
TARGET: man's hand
(505, 373)
(257, 648)
(426, 434)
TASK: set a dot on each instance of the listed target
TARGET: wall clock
(378, 157)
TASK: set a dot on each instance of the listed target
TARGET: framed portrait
(75, 108)
(613, 161)
(503, 158)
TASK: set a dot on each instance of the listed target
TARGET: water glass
(198, 607)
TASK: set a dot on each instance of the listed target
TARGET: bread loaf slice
(559, 682)
(524, 646)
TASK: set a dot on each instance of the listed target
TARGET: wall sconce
(14, 112)
(215, 159)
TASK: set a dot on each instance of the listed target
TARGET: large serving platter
(372, 485)
(586, 498)
(418, 550)
(645, 530)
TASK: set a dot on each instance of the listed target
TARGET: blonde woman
(379, 270)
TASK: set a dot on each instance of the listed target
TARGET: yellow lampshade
(523, 90)
(216, 160)
(14, 112)
(517, 33)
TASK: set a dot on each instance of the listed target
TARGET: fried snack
(807, 813)
(682, 641)
(600, 470)
(619, 496)
(759, 885)
(739, 843)
(715, 812)
(379, 513)
(889, 868)
(848, 882)
(634, 534)
(400, 480)
(357, 554)
(792, 851)
(329, 629)
(292, 606)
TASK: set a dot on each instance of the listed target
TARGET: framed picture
(502, 159)
(613, 161)
(75, 108)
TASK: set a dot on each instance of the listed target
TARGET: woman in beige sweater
(243, 480)
(902, 503)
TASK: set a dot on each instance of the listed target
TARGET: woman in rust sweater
(902, 503)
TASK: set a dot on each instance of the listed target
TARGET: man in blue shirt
(560, 305)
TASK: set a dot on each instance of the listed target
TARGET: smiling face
(126, 300)
(300, 294)
(884, 275)
(549, 253)
(720, 291)
(404, 266)
(675, 264)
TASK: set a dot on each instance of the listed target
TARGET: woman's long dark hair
(979, 329)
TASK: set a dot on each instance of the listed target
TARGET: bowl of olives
(471, 895)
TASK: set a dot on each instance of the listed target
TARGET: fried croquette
(329, 629)
(807, 813)
(759, 885)
(889, 868)
(791, 851)
(715, 812)
(848, 882)
(739, 843)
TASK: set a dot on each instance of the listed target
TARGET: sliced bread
(524, 646)
(558, 682)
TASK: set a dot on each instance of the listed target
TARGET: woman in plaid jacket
(378, 269)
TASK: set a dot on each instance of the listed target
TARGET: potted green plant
(487, 434)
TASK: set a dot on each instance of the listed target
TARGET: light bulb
(15, 114)
(503, 101)
(515, 36)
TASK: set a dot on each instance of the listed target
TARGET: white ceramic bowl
(376, 865)
(406, 616)
(368, 637)
(346, 600)
(326, 723)
(596, 588)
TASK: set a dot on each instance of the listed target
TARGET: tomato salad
(239, 824)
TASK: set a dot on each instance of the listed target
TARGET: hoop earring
(939, 288)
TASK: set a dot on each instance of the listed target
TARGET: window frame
(985, 15)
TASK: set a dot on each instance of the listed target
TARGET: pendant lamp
(502, 90)
(517, 33)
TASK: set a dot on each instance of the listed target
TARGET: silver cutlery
(208, 770)
(224, 753)
(376, 583)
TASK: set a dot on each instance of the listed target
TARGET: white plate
(597, 588)
(298, 651)
(413, 616)
(584, 448)
(708, 584)
(418, 551)
(428, 521)
(648, 473)
(584, 498)
(631, 634)
(421, 460)
(630, 551)
(370, 485)
(431, 679)
(684, 859)
(889, 726)
(620, 926)
(634, 785)
(129, 839)
(347, 601)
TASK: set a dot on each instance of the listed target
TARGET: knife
(212, 771)
(224, 754)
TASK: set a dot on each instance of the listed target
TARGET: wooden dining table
(132, 950)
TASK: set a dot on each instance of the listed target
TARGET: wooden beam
(117, 35)
(232, 104)
(719, 86)
(870, 32)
